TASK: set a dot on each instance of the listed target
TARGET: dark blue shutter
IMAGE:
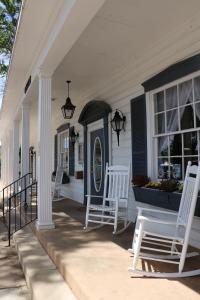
(55, 151)
(139, 135)
(71, 154)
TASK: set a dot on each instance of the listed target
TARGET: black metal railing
(21, 210)
(14, 188)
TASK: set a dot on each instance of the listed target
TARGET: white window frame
(152, 169)
(59, 147)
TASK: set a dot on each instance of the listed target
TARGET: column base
(44, 226)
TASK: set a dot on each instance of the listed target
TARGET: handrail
(25, 211)
(22, 180)
(21, 191)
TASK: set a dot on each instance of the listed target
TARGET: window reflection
(197, 88)
(97, 164)
(163, 168)
(176, 168)
(185, 93)
(172, 120)
(163, 146)
(187, 117)
(171, 97)
(159, 102)
(175, 143)
(160, 123)
(190, 143)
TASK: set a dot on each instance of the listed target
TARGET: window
(80, 153)
(177, 127)
(63, 150)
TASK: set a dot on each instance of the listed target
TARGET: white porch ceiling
(121, 32)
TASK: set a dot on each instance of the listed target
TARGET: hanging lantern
(118, 123)
(73, 137)
(68, 108)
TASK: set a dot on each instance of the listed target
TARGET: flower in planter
(153, 185)
(140, 180)
(180, 188)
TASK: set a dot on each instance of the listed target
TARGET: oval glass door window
(97, 164)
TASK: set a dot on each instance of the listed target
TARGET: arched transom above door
(93, 111)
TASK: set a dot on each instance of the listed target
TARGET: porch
(94, 264)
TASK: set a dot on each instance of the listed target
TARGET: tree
(9, 13)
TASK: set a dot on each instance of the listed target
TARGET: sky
(2, 83)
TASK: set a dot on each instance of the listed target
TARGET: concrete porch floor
(94, 264)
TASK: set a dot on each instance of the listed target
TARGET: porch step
(42, 276)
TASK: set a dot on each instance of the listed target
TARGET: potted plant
(165, 194)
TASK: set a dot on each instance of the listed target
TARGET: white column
(3, 161)
(15, 169)
(25, 139)
(10, 156)
(44, 154)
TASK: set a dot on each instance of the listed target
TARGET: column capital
(42, 73)
(15, 123)
(25, 106)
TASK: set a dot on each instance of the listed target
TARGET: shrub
(140, 180)
(169, 185)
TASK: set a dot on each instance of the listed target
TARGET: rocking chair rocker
(167, 238)
(114, 207)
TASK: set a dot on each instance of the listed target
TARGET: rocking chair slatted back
(189, 195)
(117, 182)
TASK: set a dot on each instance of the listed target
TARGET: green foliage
(9, 13)
(180, 188)
(169, 185)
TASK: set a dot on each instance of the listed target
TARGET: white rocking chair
(114, 207)
(56, 186)
(167, 238)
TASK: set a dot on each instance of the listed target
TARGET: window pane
(163, 146)
(160, 123)
(185, 92)
(175, 145)
(176, 168)
(171, 97)
(64, 160)
(163, 168)
(190, 143)
(159, 102)
(172, 120)
(197, 89)
(197, 111)
(187, 117)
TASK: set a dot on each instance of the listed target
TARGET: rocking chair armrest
(93, 196)
(140, 209)
(163, 222)
(112, 199)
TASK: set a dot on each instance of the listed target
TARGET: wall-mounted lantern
(73, 137)
(68, 108)
(118, 123)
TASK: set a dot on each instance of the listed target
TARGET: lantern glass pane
(113, 125)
